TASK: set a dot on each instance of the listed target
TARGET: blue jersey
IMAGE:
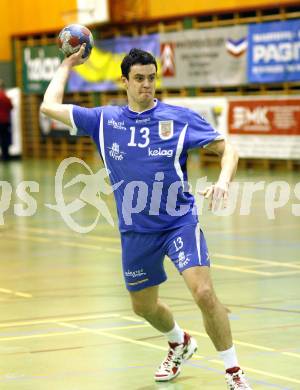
(145, 154)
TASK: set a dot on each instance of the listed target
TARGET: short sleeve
(85, 121)
(200, 132)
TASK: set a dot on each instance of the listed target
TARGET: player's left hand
(217, 194)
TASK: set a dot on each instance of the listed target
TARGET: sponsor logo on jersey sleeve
(165, 129)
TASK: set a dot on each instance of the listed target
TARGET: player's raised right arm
(52, 105)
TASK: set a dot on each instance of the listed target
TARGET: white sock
(176, 335)
(229, 358)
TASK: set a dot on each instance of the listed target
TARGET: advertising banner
(39, 65)
(206, 57)
(274, 52)
(265, 127)
(214, 110)
(102, 70)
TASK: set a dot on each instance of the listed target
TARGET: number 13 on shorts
(178, 243)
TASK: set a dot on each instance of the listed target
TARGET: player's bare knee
(143, 310)
(205, 297)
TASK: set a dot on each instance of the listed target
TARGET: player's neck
(139, 108)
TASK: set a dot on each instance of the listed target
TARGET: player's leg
(189, 253)
(216, 323)
(146, 304)
(214, 313)
(142, 258)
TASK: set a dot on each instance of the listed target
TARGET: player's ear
(124, 82)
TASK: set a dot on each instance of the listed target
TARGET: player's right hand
(76, 58)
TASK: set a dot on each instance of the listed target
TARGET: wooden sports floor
(66, 321)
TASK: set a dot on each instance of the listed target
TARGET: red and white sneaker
(177, 355)
(235, 379)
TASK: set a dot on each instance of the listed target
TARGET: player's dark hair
(136, 56)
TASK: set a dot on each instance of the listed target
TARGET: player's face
(141, 85)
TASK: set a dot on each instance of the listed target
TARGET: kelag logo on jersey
(160, 152)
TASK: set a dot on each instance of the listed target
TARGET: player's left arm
(218, 192)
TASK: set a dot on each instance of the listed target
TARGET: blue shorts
(143, 254)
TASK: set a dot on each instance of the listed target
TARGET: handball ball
(72, 37)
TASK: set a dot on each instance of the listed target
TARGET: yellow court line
(239, 269)
(89, 246)
(18, 293)
(122, 338)
(5, 290)
(271, 375)
(128, 327)
(35, 336)
(24, 295)
(260, 372)
(291, 354)
(238, 342)
(255, 260)
(62, 233)
(257, 266)
(117, 240)
(65, 243)
(115, 250)
(136, 326)
(146, 344)
(57, 233)
(10, 236)
(105, 239)
(80, 329)
(250, 345)
(262, 228)
(51, 320)
(133, 319)
(78, 245)
(285, 273)
(251, 271)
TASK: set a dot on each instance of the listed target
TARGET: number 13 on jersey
(144, 132)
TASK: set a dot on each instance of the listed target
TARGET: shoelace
(238, 381)
(169, 359)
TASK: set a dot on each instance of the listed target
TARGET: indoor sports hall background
(66, 320)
